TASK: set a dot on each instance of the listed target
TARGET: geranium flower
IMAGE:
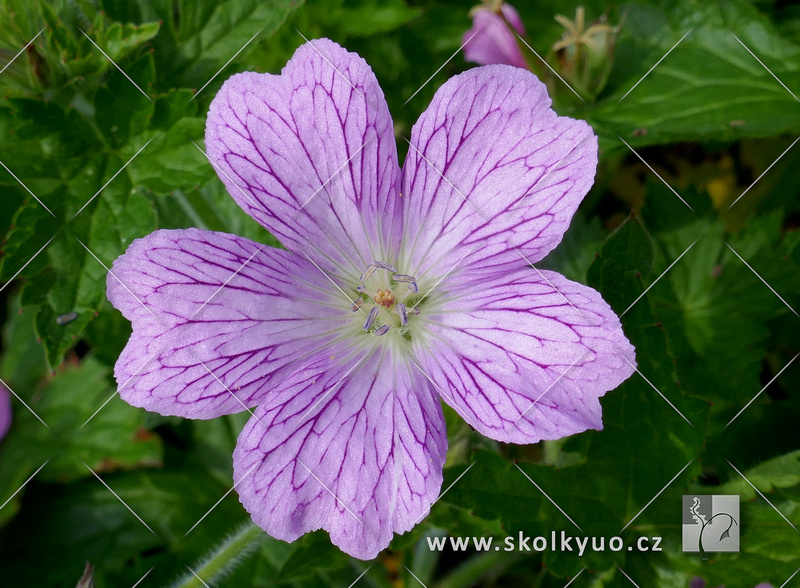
(490, 40)
(397, 289)
(5, 411)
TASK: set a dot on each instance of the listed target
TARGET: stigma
(385, 298)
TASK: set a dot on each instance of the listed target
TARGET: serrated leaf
(76, 282)
(171, 162)
(716, 311)
(779, 472)
(199, 38)
(62, 58)
(709, 87)
(121, 110)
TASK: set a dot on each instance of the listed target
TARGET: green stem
(471, 571)
(224, 557)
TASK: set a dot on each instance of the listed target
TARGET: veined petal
(354, 445)
(526, 357)
(311, 155)
(490, 40)
(217, 320)
(493, 176)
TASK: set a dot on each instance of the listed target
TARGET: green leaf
(63, 59)
(717, 315)
(709, 87)
(768, 544)
(84, 521)
(210, 207)
(311, 553)
(198, 38)
(577, 250)
(385, 16)
(626, 259)
(108, 333)
(113, 439)
(779, 472)
(79, 257)
(121, 110)
(170, 161)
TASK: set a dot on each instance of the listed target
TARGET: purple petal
(5, 411)
(492, 174)
(490, 41)
(311, 155)
(200, 349)
(354, 446)
(513, 17)
(502, 354)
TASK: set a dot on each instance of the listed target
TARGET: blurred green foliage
(111, 156)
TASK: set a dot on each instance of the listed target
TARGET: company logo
(710, 523)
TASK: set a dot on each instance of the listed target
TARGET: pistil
(385, 298)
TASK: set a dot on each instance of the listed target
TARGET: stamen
(384, 265)
(384, 297)
(370, 318)
(401, 310)
(403, 278)
(367, 273)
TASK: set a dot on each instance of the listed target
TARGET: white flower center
(387, 297)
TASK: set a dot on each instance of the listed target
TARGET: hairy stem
(223, 557)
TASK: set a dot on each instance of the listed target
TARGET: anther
(413, 287)
(361, 288)
(356, 304)
(367, 273)
(382, 330)
(401, 311)
(403, 278)
(384, 265)
(370, 318)
(413, 310)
